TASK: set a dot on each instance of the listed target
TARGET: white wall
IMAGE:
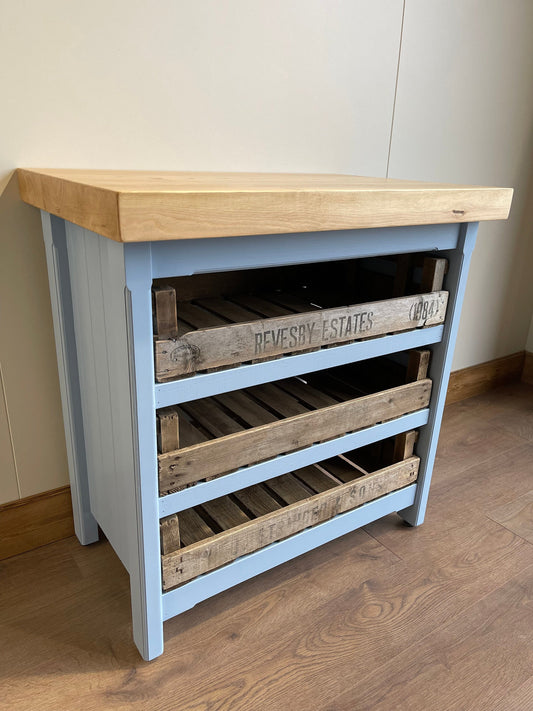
(272, 85)
(216, 84)
(464, 113)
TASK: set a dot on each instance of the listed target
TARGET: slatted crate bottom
(206, 537)
(219, 332)
(213, 436)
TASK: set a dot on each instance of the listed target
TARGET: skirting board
(527, 373)
(480, 378)
(34, 521)
(37, 520)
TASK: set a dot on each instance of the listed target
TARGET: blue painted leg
(145, 573)
(441, 363)
(60, 294)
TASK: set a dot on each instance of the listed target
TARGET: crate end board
(244, 342)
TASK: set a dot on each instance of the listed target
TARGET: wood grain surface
(232, 450)
(216, 345)
(137, 206)
(527, 372)
(35, 521)
(182, 565)
(477, 379)
(390, 617)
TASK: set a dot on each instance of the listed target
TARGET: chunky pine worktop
(138, 206)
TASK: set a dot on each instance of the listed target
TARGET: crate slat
(187, 563)
(262, 306)
(343, 469)
(306, 393)
(189, 434)
(257, 500)
(184, 328)
(227, 310)
(212, 417)
(246, 408)
(316, 478)
(276, 398)
(198, 317)
(288, 488)
(193, 527)
(336, 387)
(224, 512)
(293, 302)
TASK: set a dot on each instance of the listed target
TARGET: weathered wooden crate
(213, 326)
(213, 436)
(206, 537)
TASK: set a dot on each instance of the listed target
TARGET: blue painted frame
(441, 363)
(197, 256)
(145, 261)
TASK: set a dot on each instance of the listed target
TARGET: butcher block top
(140, 206)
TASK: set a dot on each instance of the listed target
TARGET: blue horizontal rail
(219, 254)
(246, 376)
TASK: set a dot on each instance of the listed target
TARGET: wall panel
(464, 113)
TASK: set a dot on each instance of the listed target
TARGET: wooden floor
(386, 618)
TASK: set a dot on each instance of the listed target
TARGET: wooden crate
(211, 326)
(210, 437)
(206, 537)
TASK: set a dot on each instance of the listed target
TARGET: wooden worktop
(138, 206)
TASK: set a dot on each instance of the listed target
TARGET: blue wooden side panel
(85, 524)
(121, 450)
(98, 281)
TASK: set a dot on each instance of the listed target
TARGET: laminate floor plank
(459, 507)
(519, 700)
(434, 618)
(467, 439)
(459, 665)
(516, 515)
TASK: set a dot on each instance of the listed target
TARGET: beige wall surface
(264, 85)
(529, 344)
(8, 473)
(464, 113)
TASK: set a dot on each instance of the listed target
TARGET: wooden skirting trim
(527, 373)
(35, 521)
(478, 379)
